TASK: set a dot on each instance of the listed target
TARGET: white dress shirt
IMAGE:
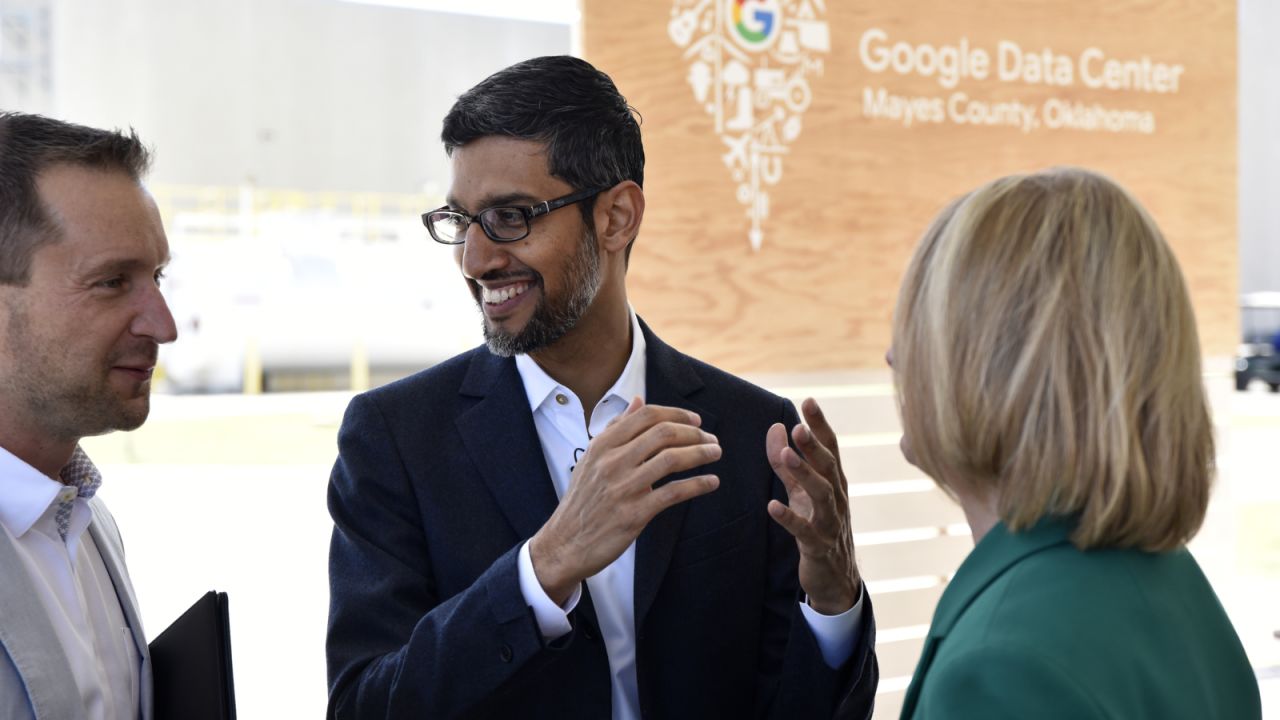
(73, 585)
(564, 432)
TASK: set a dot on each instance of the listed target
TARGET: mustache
(495, 276)
(141, 353)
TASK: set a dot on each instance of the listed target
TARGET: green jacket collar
(999, 550)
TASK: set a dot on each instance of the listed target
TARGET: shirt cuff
(553, 620)
(837, 635)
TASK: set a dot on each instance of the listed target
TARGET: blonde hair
(1045, 350)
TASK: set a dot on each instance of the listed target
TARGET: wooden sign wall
(797, 149)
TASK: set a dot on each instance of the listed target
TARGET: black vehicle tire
(1275, 387)
(1242, 381)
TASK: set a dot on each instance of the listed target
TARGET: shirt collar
(26, 493)
(539, 386)
(81, 474)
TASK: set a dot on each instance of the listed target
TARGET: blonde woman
(1048, 375)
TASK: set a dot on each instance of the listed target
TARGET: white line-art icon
(749, 67)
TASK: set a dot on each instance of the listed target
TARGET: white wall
(1259, 145)
(301, 94)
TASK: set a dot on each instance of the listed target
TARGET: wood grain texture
(856, 192)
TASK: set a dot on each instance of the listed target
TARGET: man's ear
(618, 212)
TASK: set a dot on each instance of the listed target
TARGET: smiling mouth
(498, 296)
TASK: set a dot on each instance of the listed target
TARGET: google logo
(755, 22)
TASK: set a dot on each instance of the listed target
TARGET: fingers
(674, 460)
(678, 491)
(636, 403)
(774, 441)
(799, 528)
(818, 490)
(814, 483)
(638, 418)
(817, 454)
(611, 497)
(817, 431)
(818, 444)
(665, 435)
(817, 510)
(817, 420)
(650, 442)
(664, 440)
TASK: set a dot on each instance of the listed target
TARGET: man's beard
(69, 400)
(553, 317)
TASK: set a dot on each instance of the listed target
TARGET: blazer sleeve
(801, 682)
(395, 648)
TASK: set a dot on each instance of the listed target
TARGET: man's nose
(478, 255)
(154, 319)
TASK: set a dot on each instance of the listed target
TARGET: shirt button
(504, 654)
(560, 398)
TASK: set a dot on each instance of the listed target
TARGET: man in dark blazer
(575, 520)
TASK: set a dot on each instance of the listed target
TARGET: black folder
(191, 664)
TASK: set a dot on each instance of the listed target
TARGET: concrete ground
(228, 493)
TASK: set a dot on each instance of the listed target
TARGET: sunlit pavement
(228, 493)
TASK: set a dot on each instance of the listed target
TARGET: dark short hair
(29, 145)
(591, 133)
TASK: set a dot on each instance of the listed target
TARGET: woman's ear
(618, 212)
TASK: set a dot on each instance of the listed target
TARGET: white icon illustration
(750, 64)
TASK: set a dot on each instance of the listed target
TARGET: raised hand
(611, 497)
(817, 513)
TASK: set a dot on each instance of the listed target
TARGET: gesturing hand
(817, 514)
(611, 497)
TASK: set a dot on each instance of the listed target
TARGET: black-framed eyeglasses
(501, 224)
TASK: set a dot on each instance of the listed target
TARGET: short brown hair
(1045, 350)
(30, 144)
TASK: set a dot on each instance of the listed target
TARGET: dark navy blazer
(440, 478)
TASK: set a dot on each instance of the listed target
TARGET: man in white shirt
(81, 316)
(576, 520)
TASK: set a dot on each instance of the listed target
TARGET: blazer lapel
(107, 538)
(28, 638)
(499, 435)
(998, 551)
(669, 380)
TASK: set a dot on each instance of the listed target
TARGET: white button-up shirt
(564, 431)
(72, 583)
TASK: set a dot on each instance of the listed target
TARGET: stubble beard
(65, 402)
(553, 318)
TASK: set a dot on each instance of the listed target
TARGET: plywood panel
(857, 187)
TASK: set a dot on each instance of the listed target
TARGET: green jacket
(1032, 627)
